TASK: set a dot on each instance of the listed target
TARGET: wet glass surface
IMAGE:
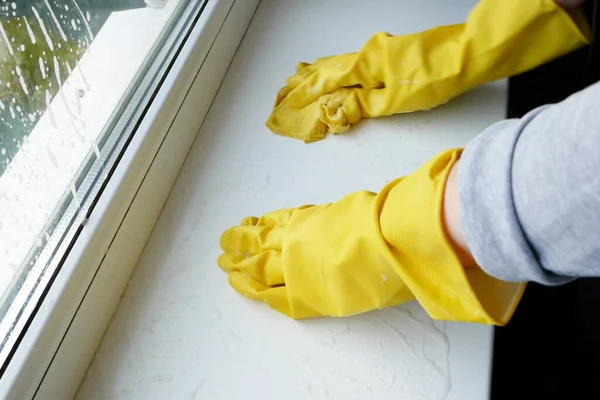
(40, 44)
(75, 77)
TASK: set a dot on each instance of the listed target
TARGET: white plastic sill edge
(54, 355)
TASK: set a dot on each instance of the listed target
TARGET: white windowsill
(181, 332)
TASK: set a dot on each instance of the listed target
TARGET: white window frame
(59, 345)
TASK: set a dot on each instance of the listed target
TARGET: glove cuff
(427, 263)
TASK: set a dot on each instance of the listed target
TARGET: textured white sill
(181, 333)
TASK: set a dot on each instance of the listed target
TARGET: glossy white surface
(181, 333)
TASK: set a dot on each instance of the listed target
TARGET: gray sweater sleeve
(529, 193)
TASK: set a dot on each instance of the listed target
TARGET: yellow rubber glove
(365, 252)
(397, 74)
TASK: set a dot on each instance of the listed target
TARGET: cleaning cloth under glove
(397, 74)
(365, 252)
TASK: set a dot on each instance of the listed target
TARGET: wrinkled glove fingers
(275, 297)
(301, 67)
(279, 218)
(276, 218)
(266, 268)
(248, 221)
(250, 240)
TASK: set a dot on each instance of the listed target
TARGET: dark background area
(551, 348)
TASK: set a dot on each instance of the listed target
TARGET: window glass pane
(74, 76)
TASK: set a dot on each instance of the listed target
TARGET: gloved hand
(397, 74)
(362, 253)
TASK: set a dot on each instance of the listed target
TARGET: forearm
(451, 219)
(451, 194)
(525, 202)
